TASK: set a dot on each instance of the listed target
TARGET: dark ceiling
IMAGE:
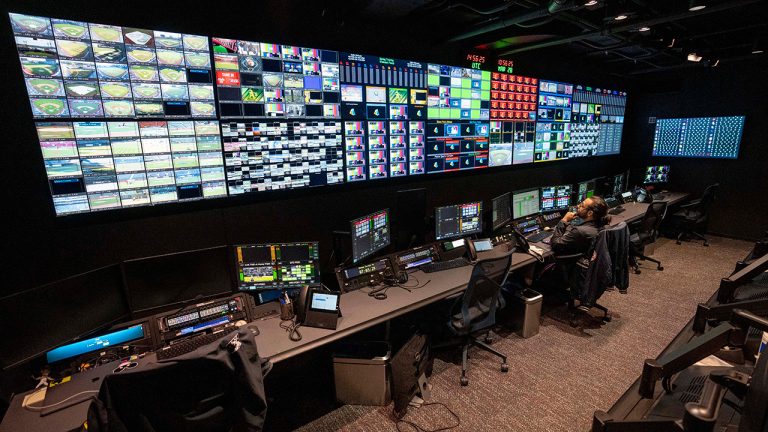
(721, 32)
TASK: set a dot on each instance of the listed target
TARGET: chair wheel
(660, 268)
(489, 340)
(637, 271)
(504, 367)
(464, 381)
(678, 242)
(706, 244)
(607, 319)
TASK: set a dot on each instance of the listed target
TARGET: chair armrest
(690, 204)
(567, 257)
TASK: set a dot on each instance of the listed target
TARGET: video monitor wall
(258, 79)
(456, 145)
(597, 117)
(700, 137)
(553, 127)
(458, 93)
(88, 70)
(383, 104)
(513, 118)
(105, 165)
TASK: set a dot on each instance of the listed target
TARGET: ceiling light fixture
(644, 29)
(620, 17)
(717, 62)
(671, 44)
(693, 57)
(590, 3)
(695, 5)
(757, 48)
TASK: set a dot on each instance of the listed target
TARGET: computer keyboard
(659, 197)
(444, 265)
(539, 236)
(190, 345)
(617, 210)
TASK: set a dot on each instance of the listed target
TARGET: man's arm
(567, 239)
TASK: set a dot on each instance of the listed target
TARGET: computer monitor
(370, 234)
(555, 198)
(36, 320)
(619, 184)
(501, 211)
(409, 218)
(458, 220)
(166, 280)
(656, 174)
(525, 203)
(586, 189)
(115, 338)
(277, 266)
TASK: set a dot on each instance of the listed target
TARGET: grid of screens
(105, 165)
(701, 137)
(525, 203)
(79, 69)
(370, 234)
(258, 79)
(555, 198)
(277, 266)
(458, 220)
(383, 104)
(294, 116)
(656, 174)
(501, 211)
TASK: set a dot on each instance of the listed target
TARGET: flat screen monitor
(555, 198)
(501, 211)
(525, 203)
(586, 189)
(274, 266)
(370, 234)
(699, 137)
(656, 174)
(409, 215)
(39, 319)
(458, 220)
(619, 184)
(96, 343)
(165, 280)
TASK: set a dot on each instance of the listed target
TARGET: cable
(292, 329)
(40, 408)
(421, 429)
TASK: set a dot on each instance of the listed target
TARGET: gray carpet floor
(558, 378)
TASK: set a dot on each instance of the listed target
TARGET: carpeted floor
(558, 378)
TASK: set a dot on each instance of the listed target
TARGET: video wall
(134, 117)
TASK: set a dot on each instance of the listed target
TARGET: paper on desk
(34, 398)
(713, 361)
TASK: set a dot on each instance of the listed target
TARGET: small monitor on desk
(586, 189)
(276, 266)
(619, 184)
(555, 198)
(501, 211)
(458, 220)
(657, 174)
(370, 234)
(525, 203)
(76, 349)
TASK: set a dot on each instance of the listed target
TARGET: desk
(360, 312)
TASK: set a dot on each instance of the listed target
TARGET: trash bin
(527, 312)
(361, 373)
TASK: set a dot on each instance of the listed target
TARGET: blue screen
(700, 137)
(94, 344)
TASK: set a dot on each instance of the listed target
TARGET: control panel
(371, 274)
(415, 257)
(207, 315)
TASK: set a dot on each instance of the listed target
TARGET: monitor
(699, 137)
(409, 218)
(76, 349)
(586, 189)
(37, 320)
(370, 234)
(458, 220)
(164, 280)
(274, 266)
(555, 198)
(619, 184)
(501, 211)
(656, 174)
(525, 203)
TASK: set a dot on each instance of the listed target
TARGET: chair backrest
(652, 219)
(481, 298)
(709, 195)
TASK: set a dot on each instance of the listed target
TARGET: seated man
(572, 237)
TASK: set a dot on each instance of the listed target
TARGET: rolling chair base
(485, 347)
(636, 267)
(682, 236)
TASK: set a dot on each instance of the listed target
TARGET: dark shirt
(573, 238)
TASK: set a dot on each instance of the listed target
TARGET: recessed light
(644, 29)
(620, 17)
(717, 62)
(590, 3)
(694, 5)
(693, 57)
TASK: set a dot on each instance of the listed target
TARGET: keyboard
(444, 265)
(659, 197)
(539, 236)
(617, 210)
(190, 345)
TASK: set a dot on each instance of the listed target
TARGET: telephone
(520, 240)
(317, 307)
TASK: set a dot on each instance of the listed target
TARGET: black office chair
(693, 216)
(578, 270)
(474, 312)
(645, 232)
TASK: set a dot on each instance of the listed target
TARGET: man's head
(593, 209)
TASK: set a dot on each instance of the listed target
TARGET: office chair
(646, 231)
(587, 275)
(475, 311)
(693, 216)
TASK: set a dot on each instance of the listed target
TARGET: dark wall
(741, 209)
(42, 247)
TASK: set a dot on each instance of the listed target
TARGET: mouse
(547, 228)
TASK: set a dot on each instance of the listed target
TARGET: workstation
(319, 230)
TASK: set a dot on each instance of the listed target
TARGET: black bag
(412, 361)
